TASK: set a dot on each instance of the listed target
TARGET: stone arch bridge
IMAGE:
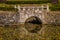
(26, 12)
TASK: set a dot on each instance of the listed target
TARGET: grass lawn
(48, 32)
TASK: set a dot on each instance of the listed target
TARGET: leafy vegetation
(55, 7)
(26, 2)
(8, 8)
(13, 2)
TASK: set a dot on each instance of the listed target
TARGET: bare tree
(2, 1)
(55, 1)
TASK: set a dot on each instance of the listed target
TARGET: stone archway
(33, 24)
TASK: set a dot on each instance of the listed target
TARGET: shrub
(55, 7)
(7, 8)
(27, 2)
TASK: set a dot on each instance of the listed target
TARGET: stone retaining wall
(52, 17)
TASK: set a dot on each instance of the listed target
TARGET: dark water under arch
(33, 20)
(33, 24)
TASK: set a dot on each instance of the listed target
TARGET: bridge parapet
(28, 11)
(41, 7)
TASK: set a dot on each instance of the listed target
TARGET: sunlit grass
(49, 32)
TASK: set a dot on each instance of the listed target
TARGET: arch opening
(33, 20)
(33, 24)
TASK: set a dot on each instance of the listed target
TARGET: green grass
(50, 32)
(10, 4)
